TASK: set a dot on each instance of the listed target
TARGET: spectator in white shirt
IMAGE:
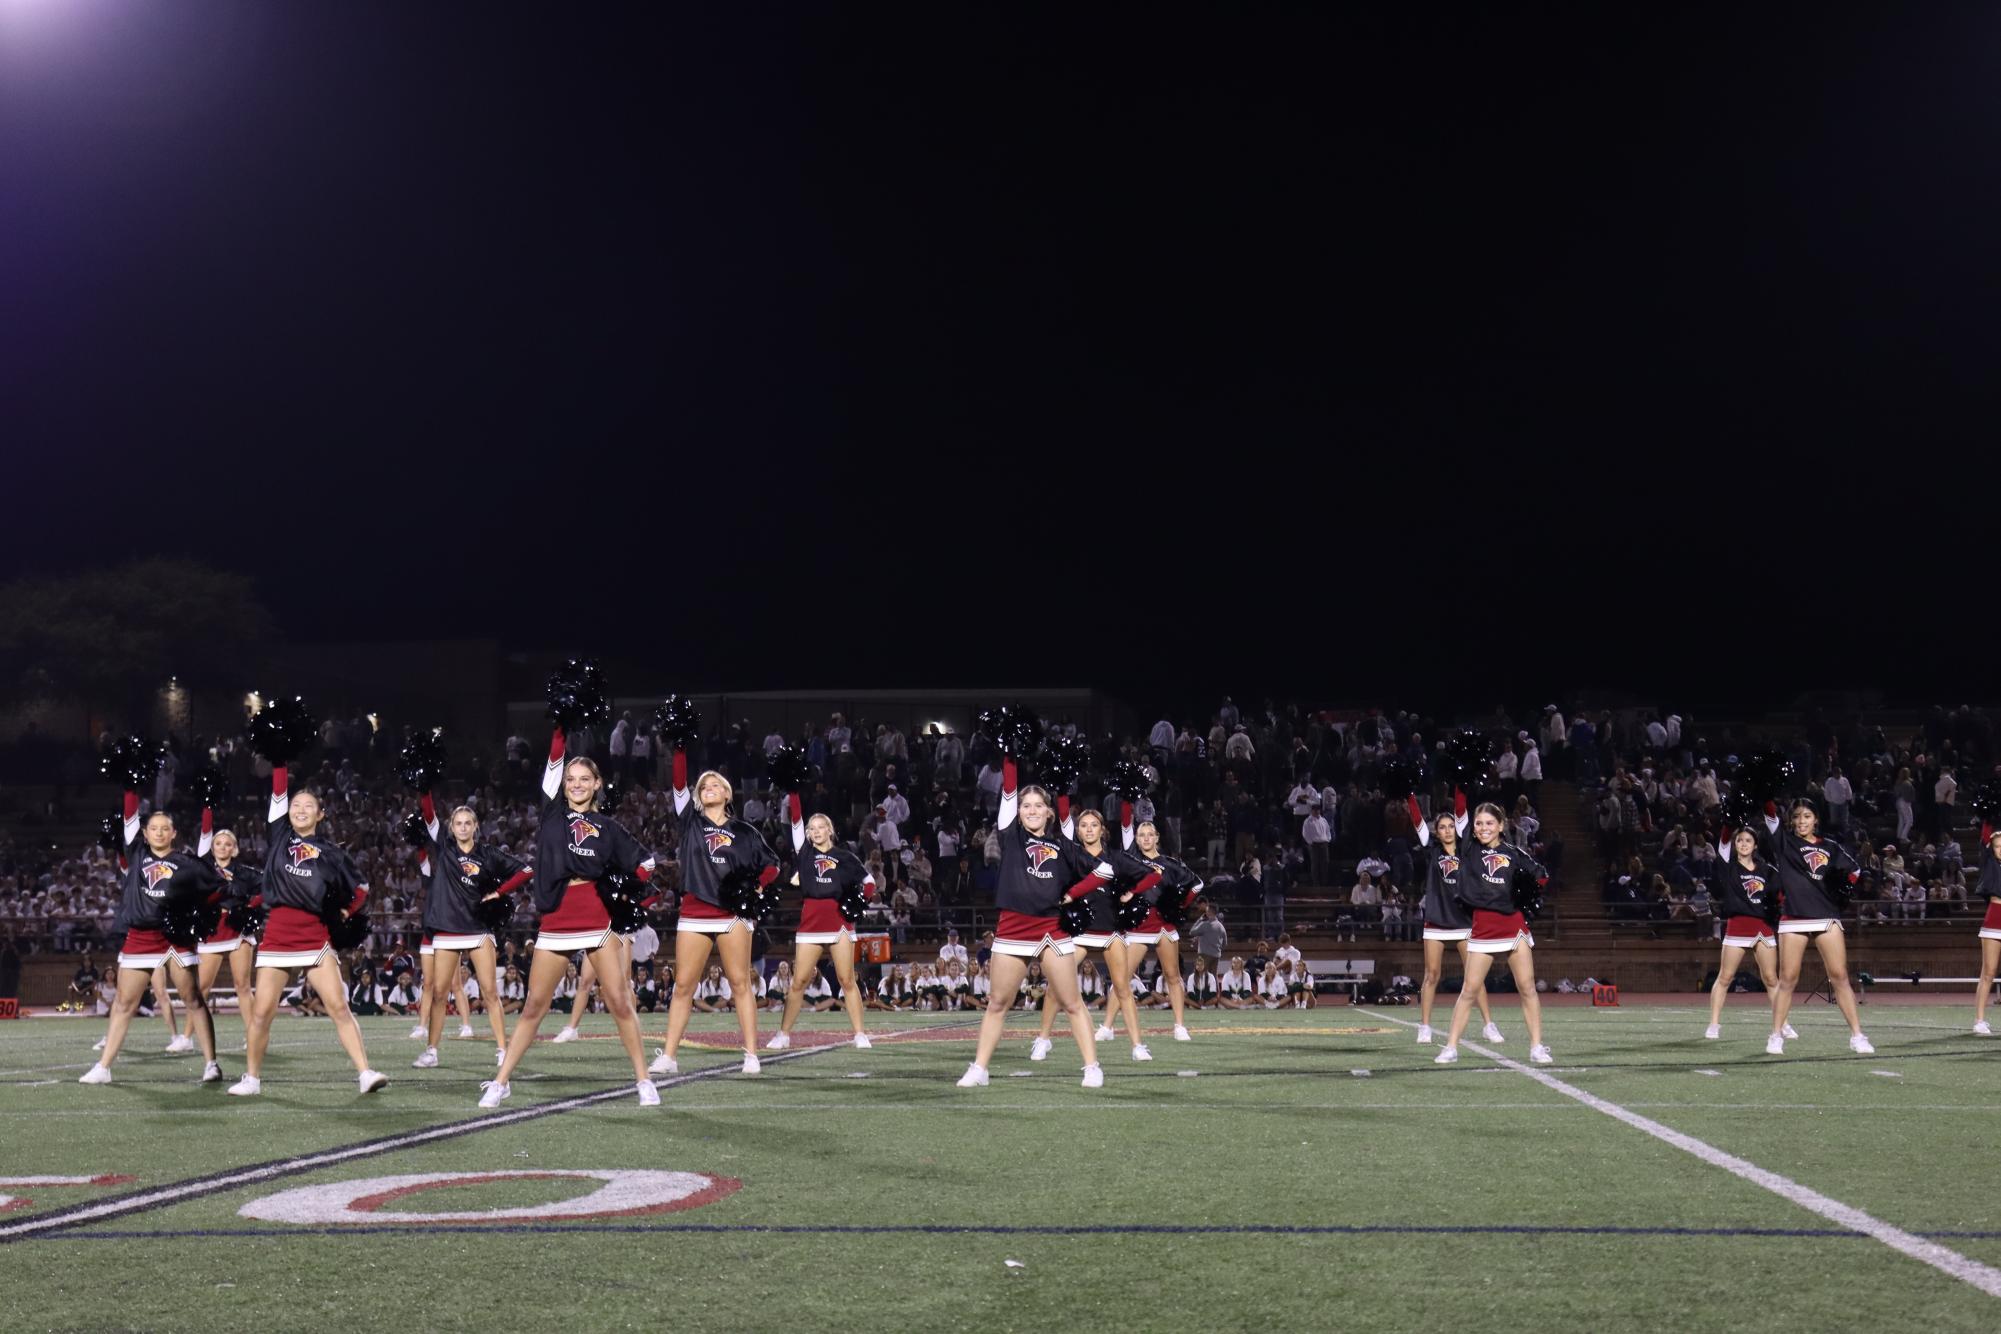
(895, 807)
(1839, 793)
(712, 993)
(774, 742)
(1318, 835)
(1161, 738)
(621, 746)
(952, 950)
(1239, 746)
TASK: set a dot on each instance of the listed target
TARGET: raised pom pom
(1398, 777)
(678, 722)
(577, 695)
(1129, 779)
(1765, 776)
(421, 764)
(283, 730)
(790, 770)
(415, 832)
(1061, 761)
(132, 762)
(209, 787)
(1015, 730)
(111, 834)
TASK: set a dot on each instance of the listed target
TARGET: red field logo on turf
(621, 1194)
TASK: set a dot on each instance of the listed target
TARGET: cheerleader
(1175, 878)
(220, 848)
(1131, 877)
(306, 876)
(1486, 884)
(823, 870)
(437, 983)
(1811, 871)
(575, 847)
(1988, 888)
(714, 848)
(1445, 917)
(1748, 895)
(464, 871)
(155, 875)
(1036, 863)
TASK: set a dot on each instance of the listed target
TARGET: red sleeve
(1085, 886)
(360, 899)
(256, 901)
(131, 804)
(1458, 804)
(1416, 812)
(1125, 812)
(427, 808)
(278, 788)
(680, 770)
(207, 820)
(1986, 831)
(556, 744)
(797, 808)
(1007, 774)
(1151, 879)
(766, 876)
(1063, 807)
(516, 881)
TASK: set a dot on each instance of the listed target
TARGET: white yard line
(1942, 1258)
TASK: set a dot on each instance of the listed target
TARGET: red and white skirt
(1808, 926)
(425, 949)
(707, 918)
(821, 922)
(1498, 932)
(1749, 932)
(149, 949)
(1990, 925)
(1447, 932)
(579, 922)
(293, 938)
(1026, 937)
(461, 943)
(223, 940)
(1152, 931)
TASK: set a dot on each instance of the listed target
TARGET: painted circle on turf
(359, 1202)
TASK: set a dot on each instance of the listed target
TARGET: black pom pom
(210, 788)
(577, 696)
(610, 795)
(1061, 761)
(1075, 914)
(415, 832)
(1128, 780)
(1743, 811)
(743, 897)
(246, 920)
(1015, 730)
(283, 730)
(1987, 803)
(1527, 893)
(1132, 913)
(345, 932)
(187, 920)
(422, 762)
(111, 833)
(853, 903)
(496, 914)
(1765, 776)
(132, 762)
(789, 770)
(1398, 777)
(678, 722)
(1469, 761)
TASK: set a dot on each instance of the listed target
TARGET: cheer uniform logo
(1040, 855)
(1448, 865)
(1816, 861)
(469, 868)
(302, 856)
(825, 866)
(156, 872)
(1495, 862)
(719, 841)
(1754, 887)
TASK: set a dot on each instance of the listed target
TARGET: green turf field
(1297, 1169)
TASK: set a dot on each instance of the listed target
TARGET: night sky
(1328, 348)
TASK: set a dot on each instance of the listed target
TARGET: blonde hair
(729, 791)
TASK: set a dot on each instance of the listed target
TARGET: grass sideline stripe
(1004, 1230)
(157, 1197)
(1947, 1261)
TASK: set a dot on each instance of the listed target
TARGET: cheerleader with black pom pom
(833, 881)
(1168, 903)
(1747, 894)
(1987, 891)
(1102, 935)
(309, 881)
(466, 895)
(220, 848)
(1446, 919)
(726, 867)
(1815, 875)
(1040, 870)
(164, 890)
(1492, 876)
(579, 850)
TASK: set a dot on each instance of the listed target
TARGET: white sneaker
(1787, 1033)
(97, 1074)
(1446, 1056)
(1540, 1055)
(1492, 1033)
(499, 1057)
(663, 1064)
(1094, 1076)
(1038, 1050)
(1423, 1035)
(1140, 1053)
(98, 1045)
(1860, 1045)
(649, 1096)
(1104, 1033)
(1775, 1045)
(182, 1042)
(1181, 1034)
(565, 1034)
(372, 1080)
(427, 1060)
(1981, 1029)
(862, 1043)
(211, 1073)
(779, 1041)
(750, 1064)
(419, 1033)
(247, 1087)
(465, 1030)
(496, 1093)
(1713, 1032)
(974, 1078)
